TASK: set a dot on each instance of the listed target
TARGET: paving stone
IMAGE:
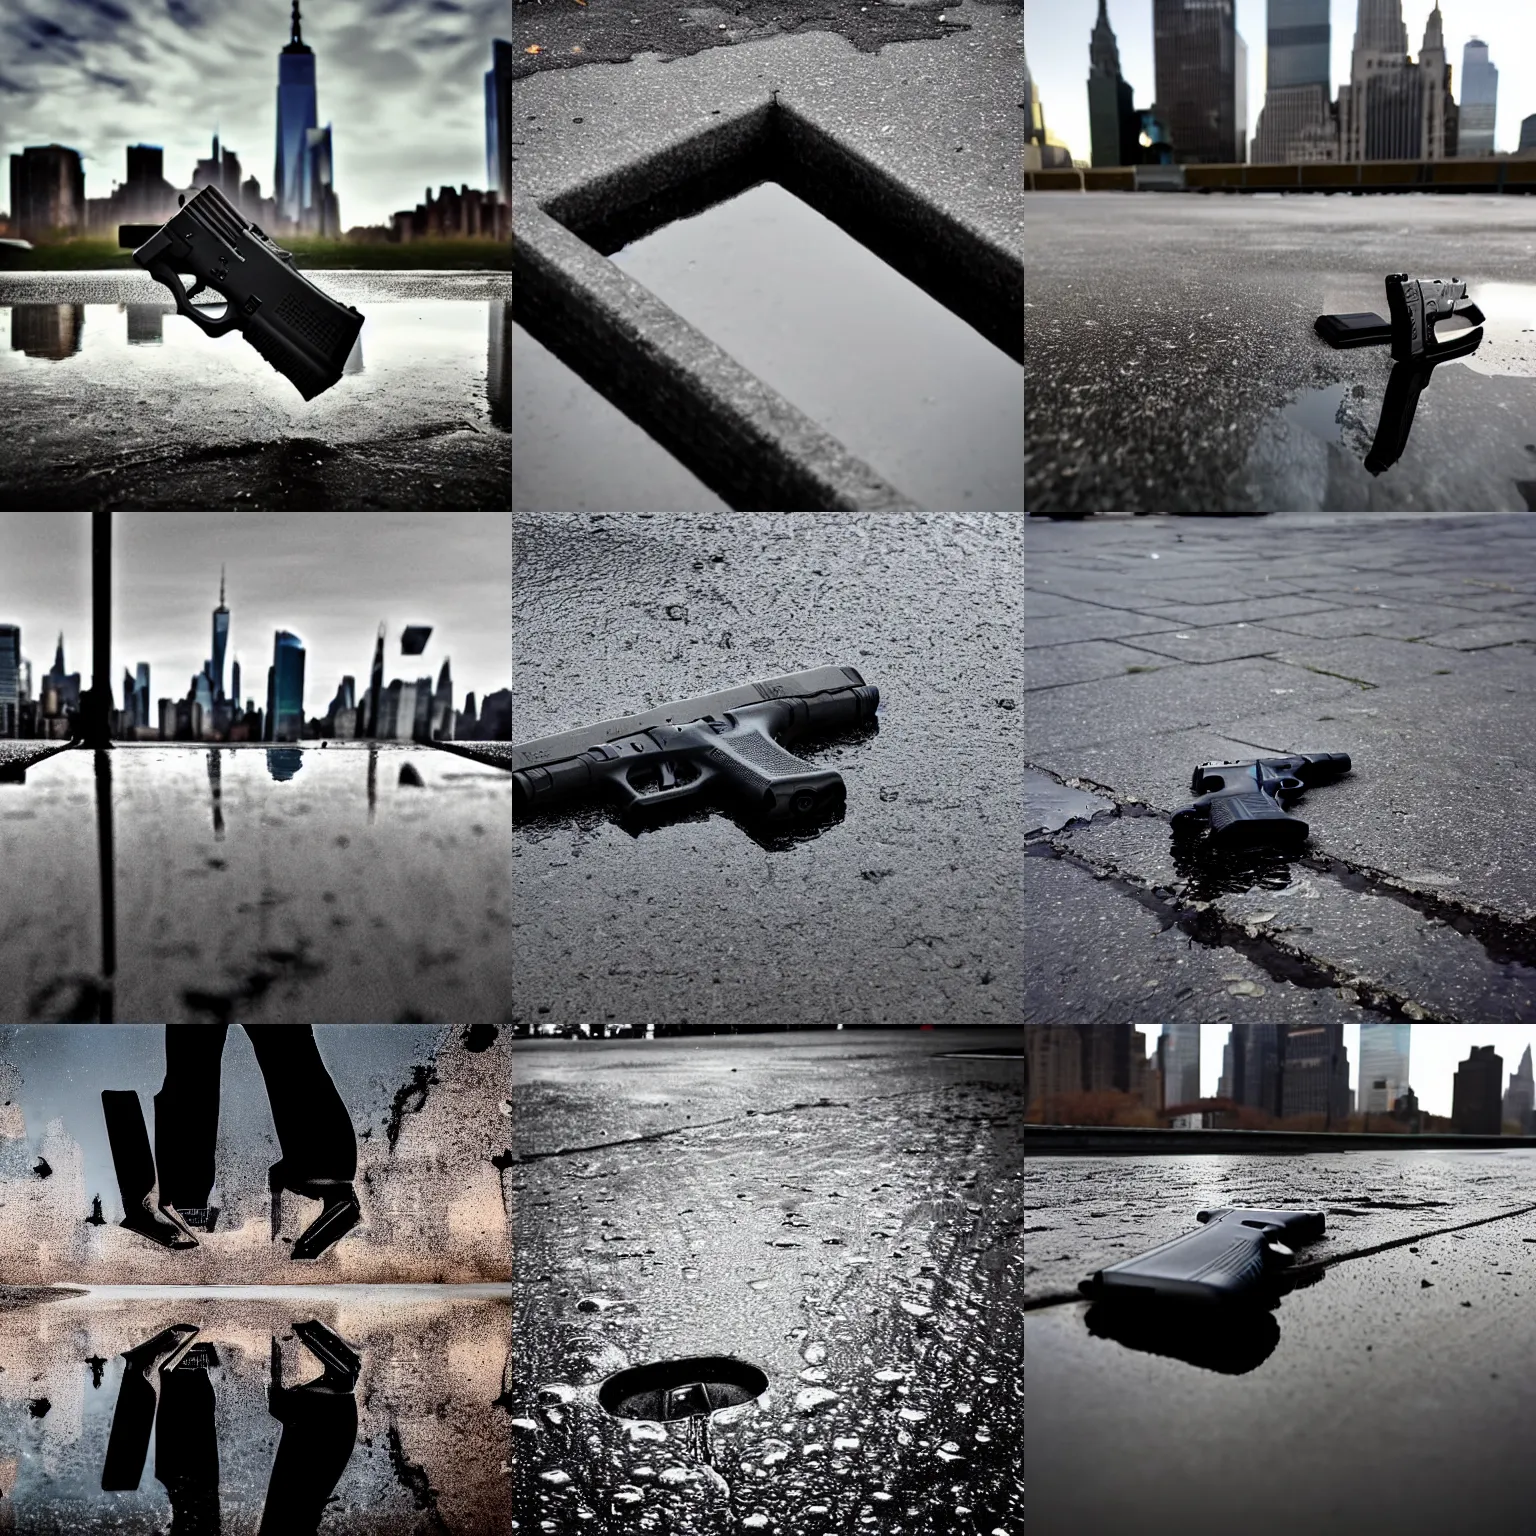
(1055, 665)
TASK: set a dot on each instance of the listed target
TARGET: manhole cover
(681, 1389)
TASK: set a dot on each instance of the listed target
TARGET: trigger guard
(163, 273)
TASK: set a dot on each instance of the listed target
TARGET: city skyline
(1435, 1051)
(401, 80)
(1057, 39)
(327, 577)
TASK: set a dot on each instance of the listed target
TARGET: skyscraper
(1297, 123)
(1383, 1066)
(1475, 1097)
(1111, 102)
(220, 641)
(1201, 66)
(234, 684)
(1528, 134)
(296, 114)
(65, 684)
(1381, 109)
(375, 687)
(141, 695)
(47, 190)
(1520, 1096)
(1257, 1055)
(1438, 115)
(285, 688)
(1178, 1050)
(1314, 1074)
(1479, 100)
(441, 728)
(10, 678)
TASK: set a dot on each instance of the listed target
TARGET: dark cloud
(398, 80)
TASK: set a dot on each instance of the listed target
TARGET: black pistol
(1244, 802)
(1416, 305)
(721, 746)
(304, 333)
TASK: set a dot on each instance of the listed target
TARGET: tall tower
(1479, 100)
(1111, 103)
(376, 686)
(1297, 121)
(296, 115)
(1383, 1066)
(1380, 110)
(1179, 1052)
(1201, 66)
(220, 641)
(234, 684)
(1434, 84)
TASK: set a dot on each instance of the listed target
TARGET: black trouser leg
(187, 1451)
(313, 1126)
(187, 1113)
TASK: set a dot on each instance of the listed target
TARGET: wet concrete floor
(418, 1439)
(124, 401)
(888, 371)
(839, 1210)
(339, 884)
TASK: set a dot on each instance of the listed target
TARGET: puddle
(261, 884)
(1050, 806)
(572, 451)
(291, 1408)
(434, 355)
(887, 370)
(1509, 334)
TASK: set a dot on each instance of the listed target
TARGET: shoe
(340, 1214)
(161, 1224)
(201, 1217)
(339, 1359)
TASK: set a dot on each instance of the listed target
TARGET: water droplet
(598, 1304)
(858, 1258)
(888, 1374)
(915, 1415)
(756, 1522)
(917, 1309)
(528, 1426)
(962, 1407)
(759, 1285)
(556, 1476)
(642, 1430)
(814, 1353)
(846, 1443)
(628, 1494)
(814, 1398)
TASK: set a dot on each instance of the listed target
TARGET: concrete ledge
(1080, 1140)
(741, 438)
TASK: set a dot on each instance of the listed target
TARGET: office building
(10, 679)
(66, 685)
(1053, 1062)
(1479, 100)
(1297, 123)
(1111, 102)
(1439, 118)
(234, 684)
(1476, 1108)
(1202, 80)
(220, 642)
(498, 120)
(1380, 108)
(1520, 1097)
(168, 719)
(1314, 1074)
(440, 726)
(1383, 1066)
(296, 115)
(375, 688)
(1257, 1055)
(285, 689)
(1528, 135)
(47, 191)
(321, 213)
(1178, 1058)
(221, 170)
(1042, 149)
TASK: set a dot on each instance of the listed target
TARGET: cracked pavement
(1406, 642)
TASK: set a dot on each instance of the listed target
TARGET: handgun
(304, 333)
(720, 746)
(1244, 802)
(1229, 1259)
(1416, 305)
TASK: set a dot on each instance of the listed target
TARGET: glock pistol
(1229, 1259)
(1244, 802)
(721, 746)
(304, 333)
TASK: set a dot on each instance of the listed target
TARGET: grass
(96, 253)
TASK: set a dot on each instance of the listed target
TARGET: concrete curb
(1076, 1141)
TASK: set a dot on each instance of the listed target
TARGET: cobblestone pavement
(1152, 646)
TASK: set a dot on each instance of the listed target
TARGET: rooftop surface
(1173, 367)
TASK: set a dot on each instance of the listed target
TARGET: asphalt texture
(304, 884)
(1173, 366)
(418, 1443)
(840, 1211)
(565, 34)
(1394, 1363)
(115, 400)
(893, 915)
(1151, 647)
(427, 1106)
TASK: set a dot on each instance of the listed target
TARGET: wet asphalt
(1153, 646)
(897, 914)
(838, 1210)
(1395, 1367)
(1173, 366)
(115, 400)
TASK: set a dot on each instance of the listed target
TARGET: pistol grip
(1242, 820)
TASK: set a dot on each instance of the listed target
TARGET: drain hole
(681, 1389)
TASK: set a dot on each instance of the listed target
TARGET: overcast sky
(1434, 1053)
(1056, 38)
(329, 577)
(400, 81)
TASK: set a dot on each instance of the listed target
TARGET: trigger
(197, 288)
(668, 776)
